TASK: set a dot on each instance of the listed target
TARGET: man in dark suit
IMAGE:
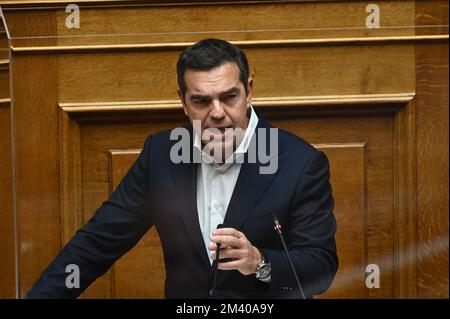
(186, 200)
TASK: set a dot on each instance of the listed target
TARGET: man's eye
(230, 97)
(201, 102)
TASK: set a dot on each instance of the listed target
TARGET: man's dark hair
(208, 54)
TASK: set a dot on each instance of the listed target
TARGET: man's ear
(249, 92)
(182, 102)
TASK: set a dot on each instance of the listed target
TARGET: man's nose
(217, 111)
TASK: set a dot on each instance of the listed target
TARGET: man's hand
(245, 257)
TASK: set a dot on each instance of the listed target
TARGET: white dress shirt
(215, 183)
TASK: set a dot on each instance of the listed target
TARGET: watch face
(264, 271)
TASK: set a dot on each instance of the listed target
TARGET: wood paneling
(4, 79)
(3, 46)
(36, 166)
(36, 155)
(349, 190)
(237, 20)
(432, 157)
(374, 100)
(97, 141)
(377, 134)
(432, 173)
(141, 272)
(7, 248)
(300, 71)
(363, 103)
(405, 202)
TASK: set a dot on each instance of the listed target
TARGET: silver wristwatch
(263, 269)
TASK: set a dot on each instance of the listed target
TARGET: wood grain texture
(3, 46)
(52, 3)
(7, 3)
(362, 103)
(432, 170)
(141, 272)
(40, 45)
(301, 71)
(4, 79)
(70, 152)
(405, 197)
(239, 21)
(7, 241)
(350, 212)
(377, 134)
(36, 166)
(96, 143)
(7, 248)
(432, 157)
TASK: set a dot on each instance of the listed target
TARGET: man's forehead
(217, 80)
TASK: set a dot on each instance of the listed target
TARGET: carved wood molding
(5, 102)
(379, 103)
(40, 4)
(4, 65)
(243, 44)
(405, 193)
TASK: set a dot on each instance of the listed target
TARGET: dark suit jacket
(157, 192)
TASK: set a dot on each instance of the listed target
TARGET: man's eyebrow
(232, 90)
(199, 97)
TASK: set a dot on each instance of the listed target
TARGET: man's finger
(230, 265)
(229, 232)
(227, 240)
(232, 253)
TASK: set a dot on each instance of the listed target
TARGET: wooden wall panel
(3, 45)
(141, 272)
(377, 135)
(36, 166)
(432, 178)
(258, 16)
(3, 41)
(239, 20)
(36, 155)
(97, 141)
(432, 157)
(4, 80)
(349, 190)
(7, 249)
(301, 71)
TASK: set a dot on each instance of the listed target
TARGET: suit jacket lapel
(248, 192)
(250, 186)
(185, 181)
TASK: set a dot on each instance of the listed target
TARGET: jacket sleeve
(309, 232)
(113, 230)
